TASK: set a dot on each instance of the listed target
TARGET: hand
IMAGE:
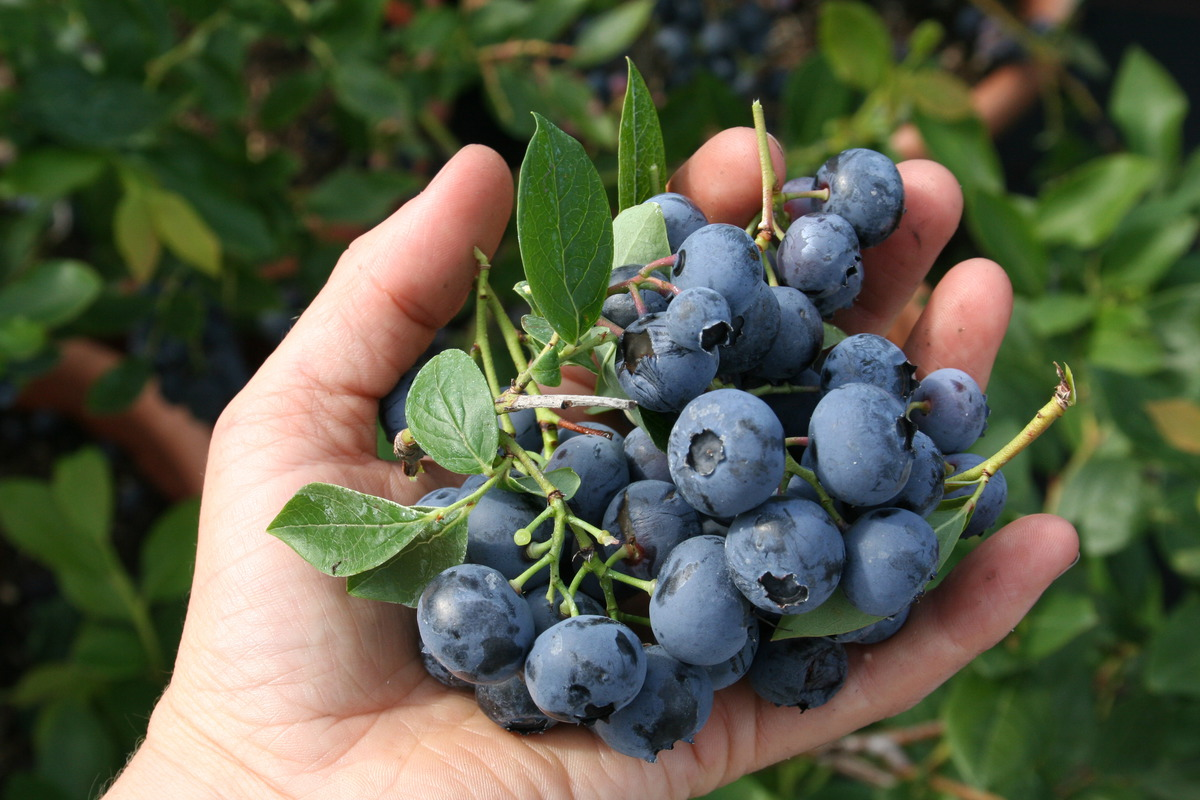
(285, 686)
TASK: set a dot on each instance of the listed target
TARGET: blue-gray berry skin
(801, 336)
(608, 431)
(785, 555)
(585, 668)
(546, 614)
(802, 672)
(926, 486)
(651, 518)
(869, 358)
(681, 215)
(866, 189)
(509, 705)
(799, 206)
(696, 612)
(755, 330)
(528, 431)
(820, 256)
(699, 319)
(722, 257)
(673, 705)
(877, 631)
(726, 452)
(957, 409)
(861, 443)
(991, 502)
(731, 670)
(475, 624)
(438, 671)
(440, 497)
(600, 465)
(891, 554)
(646, 461)
(490, 528)
(656, 371)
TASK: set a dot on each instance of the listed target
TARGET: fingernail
(1067, 568)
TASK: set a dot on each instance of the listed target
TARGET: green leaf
(94, 110)
(564, 229)
(343, 532)
(537, 328)
(51, 172)
(641, 159)
(52, 293)
(21, 339)
(73, 748)
(45, 682)
(184, 231)
(835, 615)
(966, 148)
(135, 234)
(1148, 106)
(812, 98)
(452, 415)
(948, 523)
(1103, 498)
(611, 32)
(1173, 660)
(1123, 339)
(1007, 235)
(1058, 618)
(1083, 207)
(113, 651)
(564, 479)
(855, 40)
(83, 488)
(640, 235)
(116, 389)
(1139, 258)
(357, 196)
(939, 94)
(1061, 312)
(403, 577)
(988, 729)
(370, 92)
(548, 369)
(168, 553)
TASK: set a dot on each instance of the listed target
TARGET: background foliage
(177, 181)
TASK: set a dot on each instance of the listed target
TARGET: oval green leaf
(452, 415)
(640, 235)
(641, 157)
(564, 230)
(855, 40)
(402, 579)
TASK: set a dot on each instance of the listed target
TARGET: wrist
(178, 760)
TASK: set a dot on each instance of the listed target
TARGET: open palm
(285, 686)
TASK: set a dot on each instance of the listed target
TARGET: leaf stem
(482, 293)
(1064, 397)
(793, 467)
(768, 227)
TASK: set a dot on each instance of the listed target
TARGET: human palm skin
(285, 686)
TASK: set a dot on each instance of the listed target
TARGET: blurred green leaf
(290, 95)
(1061, 312)
(988, 729)
(1148, 106)
(965, 147)
(135, 234)
(45, 682)
(1139, 258)
(168, 553)
(370, 92)
(1178, 421)
(77, 107)
(20, 339)
(1007, 235)
(51, 172)
(855, 40)
(118, 388)
(184, 231)
(939, 93)
(83, 488)
(359, 196)
(1172, 659)
(73, 748)
(1103, 499)
(610, 33)
(812, 97)
(108, 650)
(1083, 208)
(1123, 339)
(1058, 618)
(53, 293)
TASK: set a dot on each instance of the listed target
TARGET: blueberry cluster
(792, 474)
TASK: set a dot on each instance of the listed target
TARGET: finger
(724, 176)
(894, 269)
(976, 606)
(964, 322)
(398, 283)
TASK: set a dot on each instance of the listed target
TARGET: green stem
(518, 582)
(1064, 397)
(793, 467)
(482, 339)
(769, 227)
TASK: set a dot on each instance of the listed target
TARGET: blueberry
(891, 554)
(656, 371)
(819, 255)
(866, 189)
(681, 215)
(802, 672)
(953, 409)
